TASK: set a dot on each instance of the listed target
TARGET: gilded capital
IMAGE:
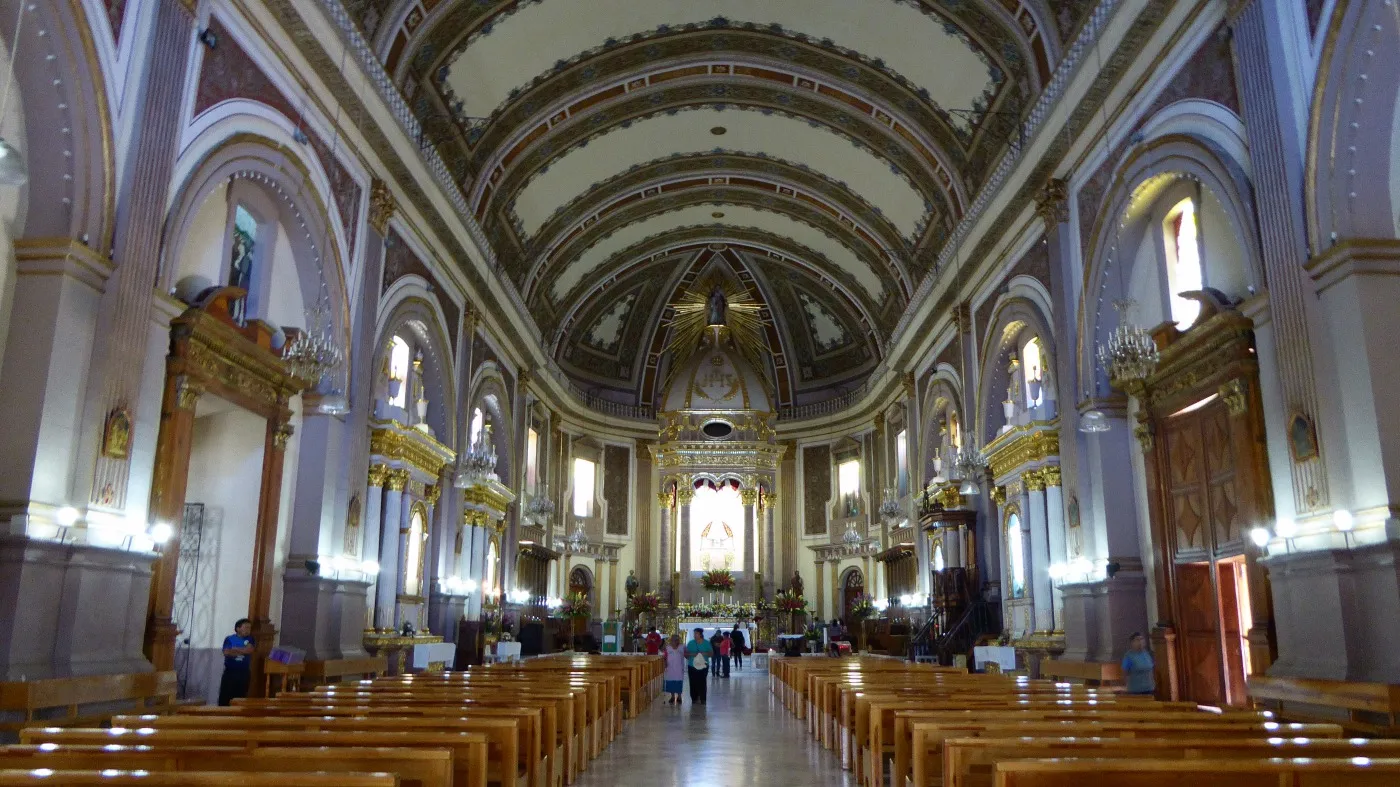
(999, 495)
(381, 206)
(378, 474)
(397, 480)
(281, 436)
(432, 492)
(1034, 480)
(1233, 394)
(770, 499)
(1052, 203)
(1051, 475)
(879, 423)
(663, 499)
(684, 496)
(1143, 432)
(187, 392)
(748, 497)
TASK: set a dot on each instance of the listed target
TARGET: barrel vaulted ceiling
(818, 151)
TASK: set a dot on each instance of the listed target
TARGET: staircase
(941, 641)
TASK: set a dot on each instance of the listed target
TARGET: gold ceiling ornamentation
(694, 313)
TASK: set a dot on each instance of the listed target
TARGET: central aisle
(742, 737)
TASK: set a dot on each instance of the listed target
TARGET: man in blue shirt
(1138, 667)
(238, 662)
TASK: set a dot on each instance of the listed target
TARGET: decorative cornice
(393, 441)
(378, 474)
(1023, 445)
(382, 206)
(397, 479)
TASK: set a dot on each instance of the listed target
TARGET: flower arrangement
(787, 601)
(717, 579)
(863, 607)
(575, 606)
(642, 603)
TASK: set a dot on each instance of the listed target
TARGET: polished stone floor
(742, 737)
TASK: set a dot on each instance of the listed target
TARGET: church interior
(1018, 363)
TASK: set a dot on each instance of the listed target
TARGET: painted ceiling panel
(914, 42)
(734, 216)
(749, 132)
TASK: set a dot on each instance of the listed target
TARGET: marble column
(1055, 537)
(376, 478)
(1039, 559)
(749, 498)
(683, 499)
(614, 601)
(770, 566)
(668, 553)
(386, 592)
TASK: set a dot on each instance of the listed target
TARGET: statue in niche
(116, 436)
(1075, 530)
(352, 528)
(1013, 389)
(796, 586)
(632, 584)
(718, 307)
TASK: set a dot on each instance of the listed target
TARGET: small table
(288, 677)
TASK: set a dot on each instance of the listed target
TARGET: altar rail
(91, 699)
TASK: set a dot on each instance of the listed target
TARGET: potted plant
(576, 610)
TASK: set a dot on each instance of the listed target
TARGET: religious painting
(1076, 532)
(240, 271)
(1302, 438)
(116, 434)
(352, 528)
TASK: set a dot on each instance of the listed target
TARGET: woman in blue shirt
(238, 662)
(1138, 667)
(698, 652)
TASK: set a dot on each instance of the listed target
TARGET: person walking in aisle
(674, 677)
(653, 642)
(724, 647)
(715, 639)
(699, 653)
(736, 646)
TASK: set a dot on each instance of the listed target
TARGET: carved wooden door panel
(1186, 494)
(1220, 463)
(1200, 634)
(1233, 638)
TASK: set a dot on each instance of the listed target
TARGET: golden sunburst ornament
(716, 301)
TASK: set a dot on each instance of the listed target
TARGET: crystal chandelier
(478, 464)
(970, 467)
(540, 509)
(577, 540)
(314, 352)
(1128, 354)
(852, 537)
(890, 509)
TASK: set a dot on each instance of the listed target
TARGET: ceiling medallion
(717, 215)
(719, 131)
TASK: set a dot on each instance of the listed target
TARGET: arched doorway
(852, 588)
(581, 581)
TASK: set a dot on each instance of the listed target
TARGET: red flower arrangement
(717, 579)
(575, 606)
(644, 602)
(786, 601)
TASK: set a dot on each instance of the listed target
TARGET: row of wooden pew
(917, 725)
(533, 724)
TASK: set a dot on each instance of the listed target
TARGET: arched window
(848, 482)
(954, 431)
(488, 583)
(1016, 555)
(413, 552)
(478, 423)
(1184, 269)
(585, 476)
(398, 371)
(1034, 371)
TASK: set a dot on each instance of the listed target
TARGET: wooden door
(1199, 637)
(851, 589)
(1227, 580)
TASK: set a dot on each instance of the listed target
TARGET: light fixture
(1343, 520)
(1260, 536)
(719, 131)
(478, 463)
(333, 403)
(1094, 421)
(1285, 527)
(314, 353)
(370, 568)
(577, 540)
(1128, 354)
(161, 532)
(554, 602)
(541, 508)
(969, 466)
(852, 537)
(890, 510)
(67, 516)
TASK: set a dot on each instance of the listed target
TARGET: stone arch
(581, 575)
(75, 198)
(1353, 135)
(489, 392)
(409, 307)
(286, 179)
(1018, 315)
(1138, 185)
(942, 410)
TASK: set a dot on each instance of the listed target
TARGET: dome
(716, 377)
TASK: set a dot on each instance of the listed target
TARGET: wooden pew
(926, 759)
(193, 779)
(413, 767)
(1296, 772)
(64, 701)
(968, 762)
(1305, 699)
(469, 749)
(513, 750)
(318, 673)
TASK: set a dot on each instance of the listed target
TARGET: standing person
(238, 662)
(736, 647)
(714, 646)
(1138, 667)
(725, 646)
(674, 676)
(699, 653)
(653, 642)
